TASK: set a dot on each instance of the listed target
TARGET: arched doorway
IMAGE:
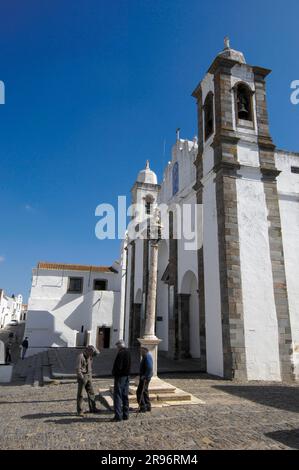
(189, 316)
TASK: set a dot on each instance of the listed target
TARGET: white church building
(229, 295)
(233, 301)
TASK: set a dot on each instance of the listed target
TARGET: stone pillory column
(149, 331)
(149, 339)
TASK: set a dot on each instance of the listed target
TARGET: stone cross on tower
(226, 43)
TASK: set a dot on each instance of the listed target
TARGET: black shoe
(125, 418)
(96, 410)
(115, 419)
(148, 410)
(142, 410)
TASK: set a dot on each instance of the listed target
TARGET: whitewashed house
(74, 305)
(11, 308)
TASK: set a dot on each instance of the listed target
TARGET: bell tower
(247, 325)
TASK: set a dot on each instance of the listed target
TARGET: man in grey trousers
(84, 379)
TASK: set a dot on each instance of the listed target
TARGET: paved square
(235, 416)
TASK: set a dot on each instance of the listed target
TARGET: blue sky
(93, 89)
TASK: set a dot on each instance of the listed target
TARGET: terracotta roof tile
(75, 267)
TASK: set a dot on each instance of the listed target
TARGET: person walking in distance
(121, 373)
(25, 345)
(84, 379)
(145, 375)
(8, 348)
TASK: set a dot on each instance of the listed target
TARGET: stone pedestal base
(161, 394)
(151, 343)
(156, 385)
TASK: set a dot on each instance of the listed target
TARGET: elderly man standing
(145, 375)
(84, 379)
(121, 372)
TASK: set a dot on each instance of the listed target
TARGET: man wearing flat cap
(84, 379)
(145, 375)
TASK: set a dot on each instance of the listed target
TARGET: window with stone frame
(75, 285)
(209, 115)
(243, 102)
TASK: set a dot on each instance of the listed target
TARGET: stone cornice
(150, 186)
(222, 64)
(260, 73)
(266, 143)
(228, 167)
(269, 174)
(225, 138)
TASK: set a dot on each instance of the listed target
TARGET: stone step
(37, 377)
(107, 399)
(158, 389)
(31, 371)
(21, 368)
(133, 398)
(177, 396)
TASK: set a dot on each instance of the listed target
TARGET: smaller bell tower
(144, 196)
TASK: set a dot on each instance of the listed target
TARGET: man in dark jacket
(145, 375)
(84, 379)
(121, 373)
(25, 345)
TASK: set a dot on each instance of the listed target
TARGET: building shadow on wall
(42, 323)
(287, 437)
(282, 397)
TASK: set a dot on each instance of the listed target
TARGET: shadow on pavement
(286, 437)
(52, 415)
(35, 401)
(282, 397)
(79, 420)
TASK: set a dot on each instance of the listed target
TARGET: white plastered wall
(214, 348)
(288, 191)
(260, 320)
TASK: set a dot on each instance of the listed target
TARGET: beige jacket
(84, 368)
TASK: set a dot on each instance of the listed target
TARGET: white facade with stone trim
(261, 322)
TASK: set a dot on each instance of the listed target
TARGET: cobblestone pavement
(235, 416)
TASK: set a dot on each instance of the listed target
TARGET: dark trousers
(143, 395)
(7, 355)
(86, 383)
(24, 350)
(121, 397)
